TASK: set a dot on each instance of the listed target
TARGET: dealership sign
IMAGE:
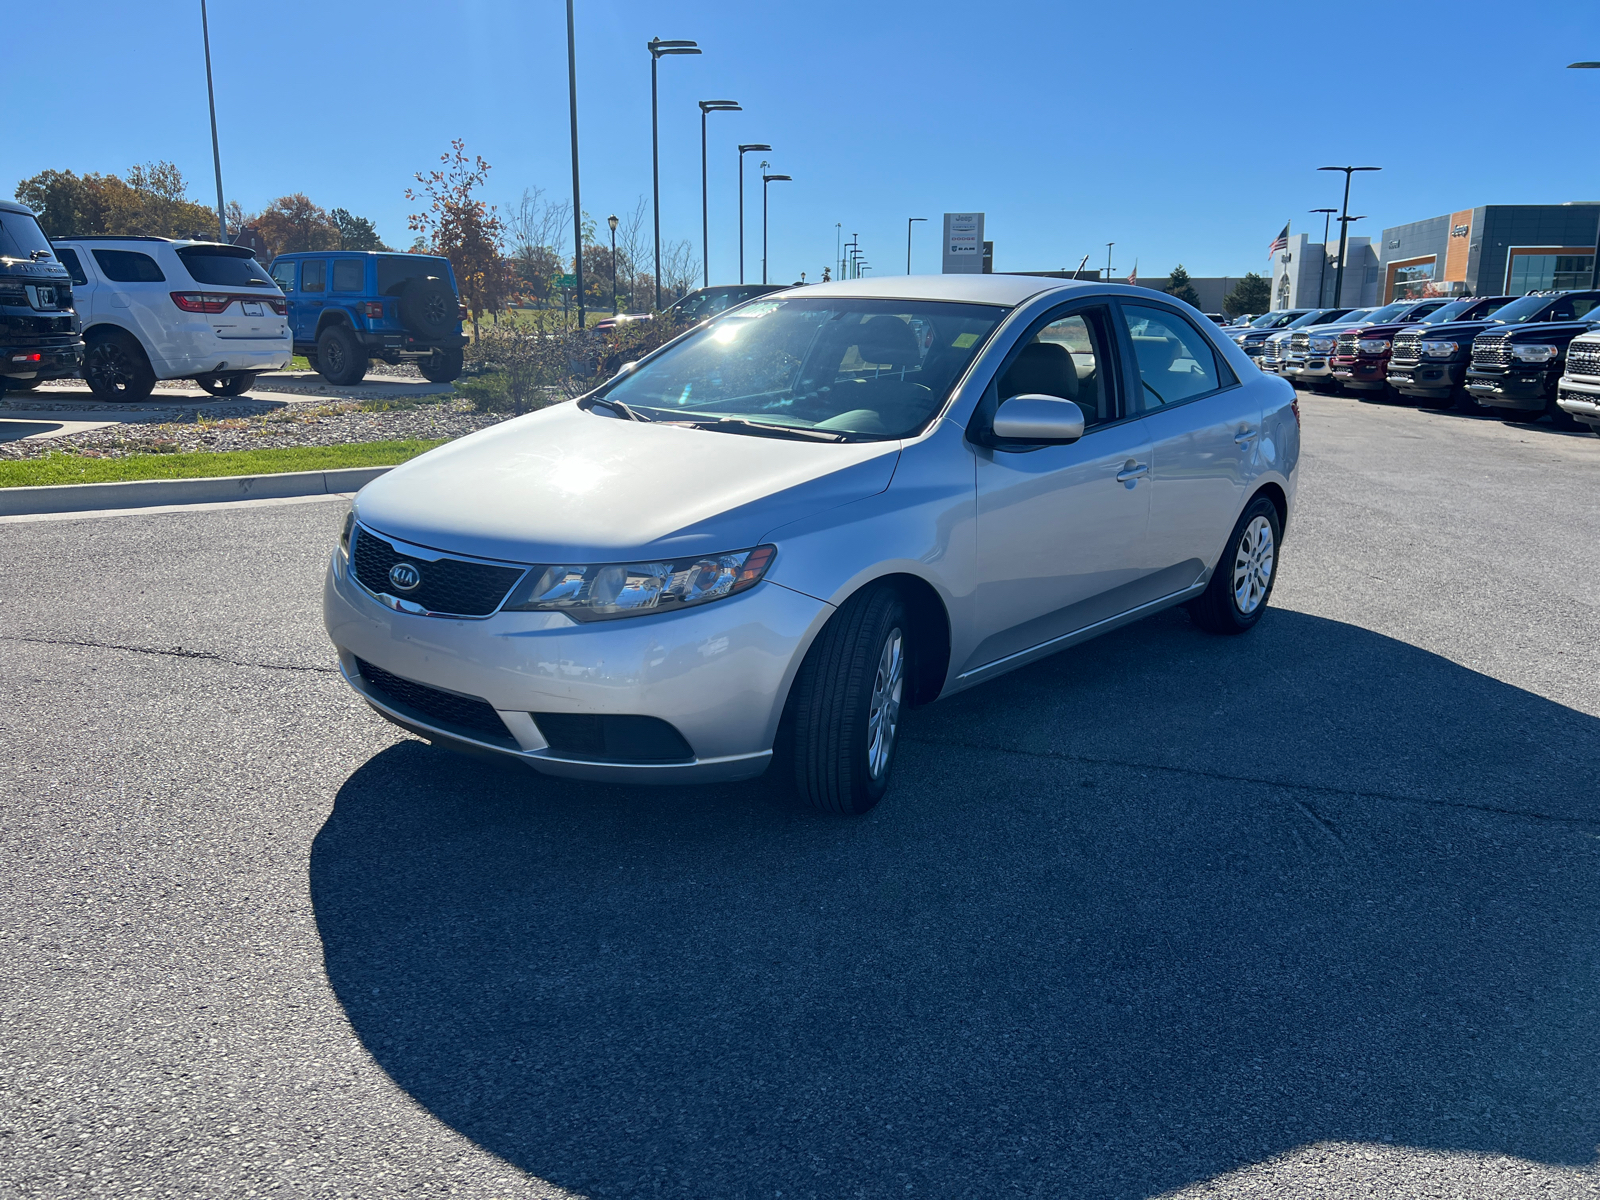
(963, 243)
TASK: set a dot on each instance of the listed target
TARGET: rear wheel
(441, 366)
(842, 721)
(116, 369)
(1242, 583)
(340, 358)
(231, 383)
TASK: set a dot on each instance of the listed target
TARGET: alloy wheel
(109, 367)
(883, 717)
(1252, 565)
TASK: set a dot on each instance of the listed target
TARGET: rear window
(69, 260)
(128, 266)
(223, 268)
(20, 236)
(397, 270)
(349, 275)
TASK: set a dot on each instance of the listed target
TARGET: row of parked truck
(1527, 358)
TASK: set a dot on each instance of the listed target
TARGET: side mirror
(1033, 418)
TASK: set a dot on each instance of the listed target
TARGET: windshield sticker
(965, 340)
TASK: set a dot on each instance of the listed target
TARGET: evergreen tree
(1252, 294)
(355, 233)
(1178, 285)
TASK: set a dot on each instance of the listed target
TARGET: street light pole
(1344, 228)
(908, 240)
(1594, 274)
(708, 106)
(577, 202)
(657, 48)
(216, 153)
(766, 179)
(743, 150)
(1108, 260)
(612, 221)
(1322, 276)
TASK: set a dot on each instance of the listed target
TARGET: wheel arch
(930, 630)
(1280, 501)
(334, 316)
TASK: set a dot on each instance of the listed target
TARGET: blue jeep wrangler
(347, 307)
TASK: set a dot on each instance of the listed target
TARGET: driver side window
(1067, 359)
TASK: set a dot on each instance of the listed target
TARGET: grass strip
(59, 468)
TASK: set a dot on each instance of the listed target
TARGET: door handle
(1244, 436)
(1132, 471)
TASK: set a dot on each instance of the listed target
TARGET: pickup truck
(1578, 393)
(1275, 345)
(1429, 364)
(1360, 359)
(1516, 369)
(1252, 336)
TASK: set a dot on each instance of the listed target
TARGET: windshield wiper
(616, 406)
(764, 429)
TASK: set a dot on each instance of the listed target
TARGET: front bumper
(1580, 396)
(718, 674)
(1427, 377)
(1510, 388)
(1363, 372)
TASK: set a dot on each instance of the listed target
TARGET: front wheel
(1242, 583)
(230, 383)
(442, 366)
(843, 716)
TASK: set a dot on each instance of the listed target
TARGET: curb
(147, 493)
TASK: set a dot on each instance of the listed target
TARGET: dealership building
(1492, 250)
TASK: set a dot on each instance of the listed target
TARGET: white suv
(154, 308)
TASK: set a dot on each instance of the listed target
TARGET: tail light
(27, 358)
(1294, 407)
(280, 306)
(202, 302)
(374, 309)
(461, 313)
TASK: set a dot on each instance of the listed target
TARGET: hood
(1456, 330)
(1387, 329)
(1534, 331)
(564, 485)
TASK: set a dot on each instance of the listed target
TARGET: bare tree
(680, 267)
(631, 250)
(539, 232)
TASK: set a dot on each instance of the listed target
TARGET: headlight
(1239, 338)
(1439, 349)
(606, 591)
(1320, 345)
(1535, 354)
(344, 534)
(1372, 346)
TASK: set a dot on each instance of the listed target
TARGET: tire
(842, 719)
(231, 383)
(442, 366)
(1466, 402)
(428, 308)
(116, 369)
(1437, 403)
(311, 361)
(1241, 585)
(340, 358)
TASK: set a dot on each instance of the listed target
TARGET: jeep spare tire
(428, 307)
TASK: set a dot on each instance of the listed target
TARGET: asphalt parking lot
(1311, 912)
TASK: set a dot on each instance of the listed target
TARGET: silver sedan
(755, 547)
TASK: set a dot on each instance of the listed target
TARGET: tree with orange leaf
(463, 228)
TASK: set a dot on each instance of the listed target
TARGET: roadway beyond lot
(1311, 912)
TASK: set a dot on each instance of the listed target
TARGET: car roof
(374, 253)
(11, 206)
(973, 289)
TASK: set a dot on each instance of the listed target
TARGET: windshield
(1388, 312)
(397, 270)
(1354, 316)
(1523, 308)
(867, 369)
(1278, 320)
(1315, 317)
(223, 268)
(1269, 320)
(21, 237)
(1448, 313)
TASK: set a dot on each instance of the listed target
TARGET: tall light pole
(1322, 276)
(612, 221)
(708, 106)
(1594, 276)
(216, 153)
(766, 179)
(909, 220)
(1344, 228)
(1108, 260)
(577, 202)
(657, 49)
(838, 248)
(748, 148)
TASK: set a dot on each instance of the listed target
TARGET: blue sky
(1181, 131)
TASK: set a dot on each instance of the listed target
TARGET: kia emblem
(405, 577)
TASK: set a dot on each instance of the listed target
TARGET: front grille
(1582, 397)
(1407, 348)
(450, 586)
(452, 712)
(1583, 358)
(1346, 342)
(1491, 350)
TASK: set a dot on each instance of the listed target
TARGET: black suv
(1517, 363)
(40, 336)
(1429, 363)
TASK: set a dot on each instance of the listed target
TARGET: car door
(1204, 428)
(311, 299)
(134, 295)
(1061, 529)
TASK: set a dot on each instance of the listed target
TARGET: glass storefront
(1548, 272)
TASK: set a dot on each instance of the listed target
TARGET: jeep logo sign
(1460, 230)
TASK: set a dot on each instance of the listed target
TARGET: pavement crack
(165, 652)
(1224, 777)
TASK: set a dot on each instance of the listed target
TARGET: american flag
(1134, 278)
(1281, 242)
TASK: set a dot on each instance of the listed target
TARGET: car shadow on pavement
(1140, 914)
